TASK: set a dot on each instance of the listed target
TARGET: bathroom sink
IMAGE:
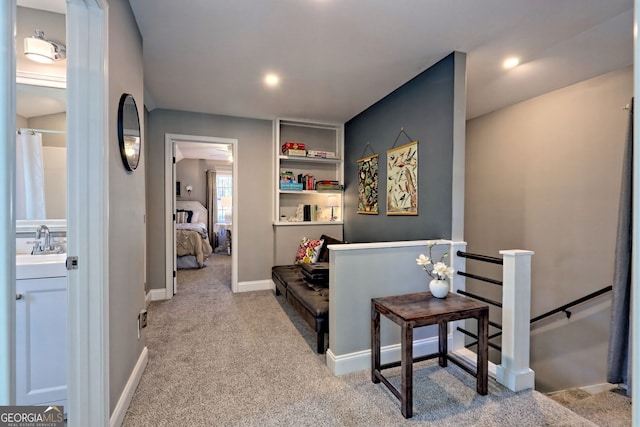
(38, 266)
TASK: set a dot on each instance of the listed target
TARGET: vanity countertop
(40, 266)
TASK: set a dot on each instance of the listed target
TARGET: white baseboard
(255, 285)
(598, 388)
(361, 360)
(591, 389)
(470, 358)
(127, 394)
(156, 295)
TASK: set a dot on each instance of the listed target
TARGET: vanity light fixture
(39, 49)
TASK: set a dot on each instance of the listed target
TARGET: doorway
(87, 324)
(170, 202)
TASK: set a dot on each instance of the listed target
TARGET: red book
(290, 145)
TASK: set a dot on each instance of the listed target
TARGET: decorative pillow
(189, 214)
(181, 217)
(309, 251)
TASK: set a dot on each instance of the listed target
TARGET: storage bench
(308, 294)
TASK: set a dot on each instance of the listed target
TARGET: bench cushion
(314, 301)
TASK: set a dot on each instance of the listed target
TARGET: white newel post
(457, 284)
(514, 372)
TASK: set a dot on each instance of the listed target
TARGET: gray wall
(127, 231)
(51, 122)
(253, 235)
(424, 108)
(544, 175)
(192, 172)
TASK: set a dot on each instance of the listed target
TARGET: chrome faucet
(42, 244)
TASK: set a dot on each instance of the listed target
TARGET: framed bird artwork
(402, 180)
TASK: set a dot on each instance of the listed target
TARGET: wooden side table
(422, 309)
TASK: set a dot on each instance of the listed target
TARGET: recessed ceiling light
(271, 79)
(511, 62)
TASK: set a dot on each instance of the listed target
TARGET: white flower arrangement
(438, 270)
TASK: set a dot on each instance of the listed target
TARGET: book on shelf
(295, 153)
(307, 181)
(292, 145)
(321, 154)
(310, 213)
(328, 187)
(287, 176)
(287, 185)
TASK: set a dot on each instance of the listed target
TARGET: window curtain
(618, 358)
(29, 176)
(212, 205)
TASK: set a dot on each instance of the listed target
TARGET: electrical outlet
(143, 318)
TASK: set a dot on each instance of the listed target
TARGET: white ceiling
(336, 58)
(35, 101)
(57, 6)
(219, 153)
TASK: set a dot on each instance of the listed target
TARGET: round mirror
(129, 132)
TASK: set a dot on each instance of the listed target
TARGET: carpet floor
(223, 359)
(611, 408)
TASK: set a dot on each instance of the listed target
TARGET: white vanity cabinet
(41, 341)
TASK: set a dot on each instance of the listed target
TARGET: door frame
(169, 205)
(87, 214)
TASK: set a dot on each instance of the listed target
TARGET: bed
(192, 236)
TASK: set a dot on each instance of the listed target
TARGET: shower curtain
(29, 176)
(618, 358)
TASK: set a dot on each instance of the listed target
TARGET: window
(224, 189)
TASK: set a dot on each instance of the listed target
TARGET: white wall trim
(255, 285)
(38, 79)
(591, 389)
(470, 358)
(459, 138)
(87, 212)
(129, 389)
(361, 360)
(169, 199)
(156, 295)
(7, 219)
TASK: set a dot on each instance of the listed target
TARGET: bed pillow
(309, 251)
(195, 217)
(189, 214)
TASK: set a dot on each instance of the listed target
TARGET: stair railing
(513, 371)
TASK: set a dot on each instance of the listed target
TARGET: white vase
(439, 288)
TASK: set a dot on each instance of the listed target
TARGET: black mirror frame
(125, 158)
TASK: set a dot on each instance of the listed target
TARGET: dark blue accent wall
(424, 108)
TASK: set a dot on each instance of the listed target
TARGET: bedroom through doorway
(201, 205)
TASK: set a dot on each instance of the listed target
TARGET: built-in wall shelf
(303, 223)
(309, 159)
(316, 136)
(310, 192)
(288, 227)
